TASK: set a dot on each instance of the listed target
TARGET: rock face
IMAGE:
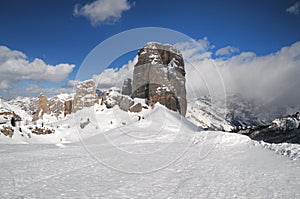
(113, 97)
(68, 107)
(85, 96)
(136, 108)
(57, 104)
(43, 107)
(159, 76)
(127, 87)
(285, 129)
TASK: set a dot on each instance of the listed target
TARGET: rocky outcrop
(159, 76)
(43, 108)
(8, 115)
(127, 87)
(113, 97)
(286, 129)
(42, 131)
(136, 108)
(7, 131)
(85, 96)
(57, 104)
(68, 107)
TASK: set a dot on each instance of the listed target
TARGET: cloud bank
(15, 67)
(269, 79)
(227, 51)
(273, 78)
(113, 77)
(102, 11)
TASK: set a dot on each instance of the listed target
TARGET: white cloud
(15, 67)
(270, 79)
(102, 11)
(112, 77)
(226, 51)
(4, 84)
(294, 9)
(35, 90)
(196, 50)
(70, 83)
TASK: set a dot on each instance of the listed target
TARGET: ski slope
(160, 156)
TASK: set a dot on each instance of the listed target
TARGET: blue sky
(59, 32)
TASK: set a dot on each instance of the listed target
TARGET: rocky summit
(159, 76)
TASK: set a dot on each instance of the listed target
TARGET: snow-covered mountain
(8, 110)
(284, 129)
(28, 104)
(208, 115)
(233, 115)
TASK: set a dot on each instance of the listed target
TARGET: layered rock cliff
(159, 76)
(85, 96)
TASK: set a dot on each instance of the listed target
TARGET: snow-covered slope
(208, 115)
(7, 111)
(224, 114)
(129, 163)
(26, 104)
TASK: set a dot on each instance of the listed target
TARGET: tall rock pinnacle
(159, 76)
(43, 107)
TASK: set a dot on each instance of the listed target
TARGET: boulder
(136, 108)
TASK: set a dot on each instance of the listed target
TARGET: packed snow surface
(156, 155)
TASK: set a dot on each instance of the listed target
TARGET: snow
(288, 123)
(115, 89)
(64, 97)
(2, 120)
(155, 58)
(286, 149)
(139, 100)
(162, 155)
(206, 114)
(172, 63)
(169, 47)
